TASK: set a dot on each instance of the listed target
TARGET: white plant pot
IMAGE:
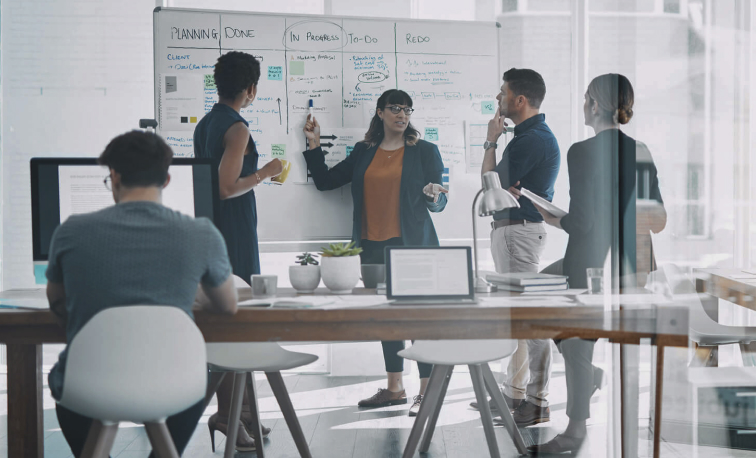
(340, 274)
(305, 279)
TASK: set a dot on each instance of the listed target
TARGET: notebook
(526, 279)
(429, 275)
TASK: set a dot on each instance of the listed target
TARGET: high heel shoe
(598, 379)
(244, 443)
(246, 419)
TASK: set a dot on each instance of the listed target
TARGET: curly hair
(234, 72)
(614, 95)
(142, 158)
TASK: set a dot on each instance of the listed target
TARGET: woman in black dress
(223, 136)
(601, 222)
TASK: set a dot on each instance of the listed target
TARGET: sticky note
(349, 150)
(193, 119)
(275, 73)
(487, 107)
(209, 82)
(296, 67)
(431, 134)
(39, 274)
(278, 150)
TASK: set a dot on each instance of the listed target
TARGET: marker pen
(310, 110)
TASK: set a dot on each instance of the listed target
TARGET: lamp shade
(495, 198)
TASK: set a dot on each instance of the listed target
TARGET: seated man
(137, 252)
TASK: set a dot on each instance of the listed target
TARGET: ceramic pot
(340, 274)
(305, 279)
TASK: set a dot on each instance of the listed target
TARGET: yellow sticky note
(193, 119)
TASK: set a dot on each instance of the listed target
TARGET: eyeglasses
(396, 109)
(106, 182)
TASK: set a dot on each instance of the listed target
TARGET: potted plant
(305, 275)
(340, 267)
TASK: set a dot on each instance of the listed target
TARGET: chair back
(138, 363)
(676, 284)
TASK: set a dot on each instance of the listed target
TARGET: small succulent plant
(307, 258)
(337, 250)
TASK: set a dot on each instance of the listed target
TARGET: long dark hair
(375, 132)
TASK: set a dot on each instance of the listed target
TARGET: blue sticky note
(275, 73)
(487, 107)
(39, 274)
(431, 134)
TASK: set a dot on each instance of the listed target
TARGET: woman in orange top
(395, 180)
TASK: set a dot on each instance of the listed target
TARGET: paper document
(543, 203)
(304, 302)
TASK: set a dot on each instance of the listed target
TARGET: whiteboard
(451, 70)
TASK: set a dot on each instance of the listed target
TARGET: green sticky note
(39, 274)
(349, 150)
(275, 73)
(209, 82)
(431, 134)
(278, 151)
(487, 107)
(296, 67)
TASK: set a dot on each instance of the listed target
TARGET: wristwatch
(488, 144)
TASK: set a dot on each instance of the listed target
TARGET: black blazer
(421, 165)
(601, 219)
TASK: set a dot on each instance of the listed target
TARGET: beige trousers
(518, 248)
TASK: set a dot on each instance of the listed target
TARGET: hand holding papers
(543, 203)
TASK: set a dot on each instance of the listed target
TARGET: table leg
(658, 398)
(25, 419)
(629, 389)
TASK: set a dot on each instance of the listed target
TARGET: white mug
(264, 286)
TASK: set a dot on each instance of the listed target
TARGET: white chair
(245, 358)
(674, 282)
(139, 363)
(476, 354)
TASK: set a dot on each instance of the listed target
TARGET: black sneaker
(417, 400)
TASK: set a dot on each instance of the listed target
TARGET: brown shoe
(513, 404)
(384, 398)
(529, 414)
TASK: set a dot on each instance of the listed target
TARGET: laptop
(429, 275)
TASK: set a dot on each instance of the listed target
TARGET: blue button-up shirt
(532, 158)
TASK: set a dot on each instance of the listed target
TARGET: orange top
(380, 206)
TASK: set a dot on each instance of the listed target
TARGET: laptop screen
(429, 272)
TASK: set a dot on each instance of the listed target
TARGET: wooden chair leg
(212, 385)
(255, 412)
(161, 440)
(748, 354)
(476, 374)
(703, 357)
(237, 397)
(99, 440)
(432, 392)
(501, 404)
(284, 402)
(437, 403)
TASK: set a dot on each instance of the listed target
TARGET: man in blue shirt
(518, 237)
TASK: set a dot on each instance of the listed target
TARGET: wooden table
(734, 285)
(25, 331)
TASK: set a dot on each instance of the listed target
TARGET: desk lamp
(495, 198)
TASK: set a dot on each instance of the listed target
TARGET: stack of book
(528, 281)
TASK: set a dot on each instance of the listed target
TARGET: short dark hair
(141, 158)
(528, 83)
(234, 72)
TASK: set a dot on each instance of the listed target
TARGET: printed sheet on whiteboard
(182, 99)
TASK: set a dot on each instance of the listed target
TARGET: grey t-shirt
(134, 253)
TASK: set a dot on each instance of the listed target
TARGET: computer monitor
(61, 187)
